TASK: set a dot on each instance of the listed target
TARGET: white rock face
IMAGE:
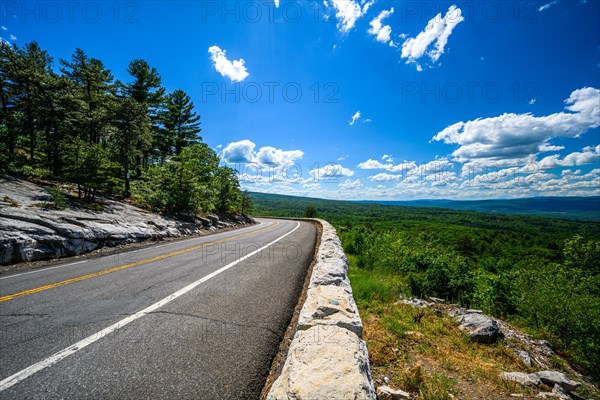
(327, 358)
(330, 305)
(29, 232)
(552, 378)
(325, 364)
(387, 393)
(531, 380)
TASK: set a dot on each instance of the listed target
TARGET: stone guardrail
(327, 358)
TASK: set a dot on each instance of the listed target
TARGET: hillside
(537, 277)
(578, 208)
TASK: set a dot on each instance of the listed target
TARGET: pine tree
(146, 90)
(95, 89)
(132, 135)
(180, 126)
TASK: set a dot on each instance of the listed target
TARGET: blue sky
(352, 99)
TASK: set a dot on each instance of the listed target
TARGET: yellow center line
(121, 267)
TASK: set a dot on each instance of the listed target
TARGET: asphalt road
(199, 318)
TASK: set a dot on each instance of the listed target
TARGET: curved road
(199, 318)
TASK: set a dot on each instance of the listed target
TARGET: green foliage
(58, 198)
(81, 126)
(542, 272)
(310, 212)
(192, 182)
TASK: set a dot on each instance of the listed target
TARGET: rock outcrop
(29, 231)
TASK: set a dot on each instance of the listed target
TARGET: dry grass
(424, 352)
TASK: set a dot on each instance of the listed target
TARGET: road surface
(199, 318)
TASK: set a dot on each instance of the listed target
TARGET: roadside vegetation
(540, 274)
(71, 122)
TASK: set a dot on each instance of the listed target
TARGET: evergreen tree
(9, 118)
(95, 89)
(180, 126)
(147, 91)
(131, 136)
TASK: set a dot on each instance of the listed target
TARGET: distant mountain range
(582, 208)
(573, 208)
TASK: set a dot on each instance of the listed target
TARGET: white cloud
(276, 3)
(331, 171)
(4, 28)
(239, 152)
(532, 101)
(387, 158)
(385, 177)
(350, 184)
(589, 155)
(355, 118)
(235, 70)
(382, 32)
(348, 12)
(547, 6)
(244, 152)
(272, 156)
(437, 32)
(12, 37)
(375, 164)
(515, 136)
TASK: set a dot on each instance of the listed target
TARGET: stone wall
(327, 358)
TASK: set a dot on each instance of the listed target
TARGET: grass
(422, 351)
(11, 202)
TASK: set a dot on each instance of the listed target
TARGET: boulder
(214, 220)
(416, 303)
(557, 393)
(387, 393)
(552, 378)
(530, 380)
(524, 356)
(481, 328)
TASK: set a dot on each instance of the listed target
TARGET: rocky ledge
(31, 231)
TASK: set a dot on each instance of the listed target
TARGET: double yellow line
(133, 264)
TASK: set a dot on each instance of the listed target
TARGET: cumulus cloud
(589, 155)
(382, 32)
(244, 152)
(349, 11)
(272, 156)
(388, 166)
(436, 33)
(350, 184)
(515, 136)
(234, 70)
(331, 171)
(239, 152)
(354, 118)
(385, 177)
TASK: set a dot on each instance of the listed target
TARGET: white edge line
(112, 255)
(42, 270)
(64, 353)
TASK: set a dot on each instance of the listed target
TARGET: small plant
(58, 198)
(11, 202)
(418, 316)
(412, 378)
